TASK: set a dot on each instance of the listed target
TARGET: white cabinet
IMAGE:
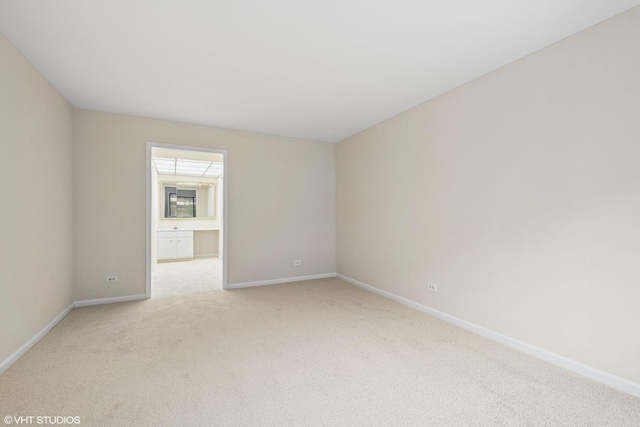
(166, 248)
(184, 247)
(176, 244)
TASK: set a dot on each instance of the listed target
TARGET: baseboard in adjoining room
(206, 256)
(276, 281)
(556, 359)
(34, 340)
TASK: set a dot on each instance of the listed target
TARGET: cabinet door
(184, 247)
(166, 248)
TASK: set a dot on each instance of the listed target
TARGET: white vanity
(175, 244)
(187, 242)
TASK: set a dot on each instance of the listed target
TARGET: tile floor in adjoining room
(186, 277)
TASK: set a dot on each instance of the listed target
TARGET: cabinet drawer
(184, 234)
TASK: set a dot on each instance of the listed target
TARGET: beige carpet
(321, 352)
(186, 277)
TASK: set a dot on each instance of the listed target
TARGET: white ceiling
(321, 70)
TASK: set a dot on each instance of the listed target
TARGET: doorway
(186, 219)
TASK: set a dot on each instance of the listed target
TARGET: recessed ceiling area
(183, 167)
(184, 162)
(315, 70)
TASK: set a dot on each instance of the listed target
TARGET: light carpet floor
(321, 352)
(186, 277)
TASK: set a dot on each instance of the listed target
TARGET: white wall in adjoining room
(206, 243)
(518, 194)
(155, 217)
(276, 214)
(36, 264)
(219, 207)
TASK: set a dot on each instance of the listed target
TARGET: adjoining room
(187, 206)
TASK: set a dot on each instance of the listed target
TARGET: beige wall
(518, 194)
(36, 215)
(281, 201)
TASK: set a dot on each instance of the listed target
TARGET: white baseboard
(88, 302)
(276, 281)
(566, 363)
(33, 341)
(206, 256)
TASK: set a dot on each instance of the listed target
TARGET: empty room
(320, 213)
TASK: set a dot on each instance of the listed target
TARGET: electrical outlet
(297, 262)
(111, 279)
(432, 287)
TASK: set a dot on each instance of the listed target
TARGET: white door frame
(225, 221)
